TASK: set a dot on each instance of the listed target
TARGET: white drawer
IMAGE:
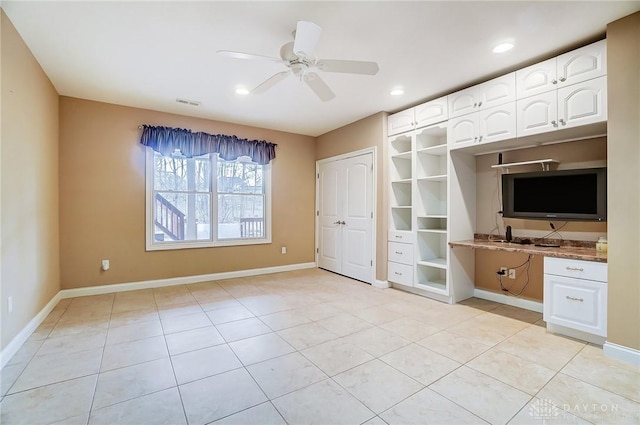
(400, 273)
(576, 304)
(400, 253)
(400, 236)
(590, 270)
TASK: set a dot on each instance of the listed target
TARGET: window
(206, 201)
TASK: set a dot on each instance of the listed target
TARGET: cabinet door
(463, 102)
(400, 122)
(497, 123)
(536, 79)
(498, 91)
(462, 130)
(576, 304)
(431, 112)
(537, 114)
(582, 103)
(583, 64)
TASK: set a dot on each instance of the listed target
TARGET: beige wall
(29, 192)
(102, 199)
(365, 133)
(623, 45)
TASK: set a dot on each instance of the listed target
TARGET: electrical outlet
(283, 249)
(105, 265)
(503, 271)
(512, 273)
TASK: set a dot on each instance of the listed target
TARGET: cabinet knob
(479, 104)
(475, 105)
(563, 79)
(562, 122)
(480, 139)
(554, 123)
(554, 81)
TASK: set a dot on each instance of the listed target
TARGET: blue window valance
(167, 140)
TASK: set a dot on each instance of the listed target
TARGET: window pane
(181, 216)
(240, 216)
(239, 177)
(176, 172)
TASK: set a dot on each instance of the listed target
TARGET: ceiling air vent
(193, 103)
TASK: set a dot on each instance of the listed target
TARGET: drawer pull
(574, 299)
(399, 253)
(575, 269)
(398, 237)
(399, 274)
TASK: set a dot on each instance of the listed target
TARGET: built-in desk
(570, 252)
(575, 287)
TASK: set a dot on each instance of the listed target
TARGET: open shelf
(438, 263)
(431, 165)
(431, 278)
(400, 168)
(435, 178)
(432, 249)
(401, 193)
(429, 137)
(438, 150)
(432, 197)
(543, 162)
(400, 218)
(400, 144)
(432, 224)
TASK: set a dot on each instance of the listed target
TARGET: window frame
(152, 245)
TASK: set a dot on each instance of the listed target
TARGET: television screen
(562, 195)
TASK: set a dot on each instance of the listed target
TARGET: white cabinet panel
(400, 253)
(537, 114)
(400, 273)
(463, 130)
(583, 103)
(492, 93)
(497, 123)
(400, 122)
(583, 64)
(536, 79)
(432, 112)
(576, 303)
(578, 269)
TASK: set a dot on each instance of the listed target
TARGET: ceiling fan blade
(249, 56)
(348, 67)
(306, 39)
(319, 87)
(270, 82)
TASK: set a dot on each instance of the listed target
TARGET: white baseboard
(12, 348)
(505, 299)
(382, 284)
(574, 333)
(620, 352)
(25, 333)
(158, 283)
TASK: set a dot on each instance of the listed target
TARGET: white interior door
(345, 212)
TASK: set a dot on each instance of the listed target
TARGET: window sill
(206, 244)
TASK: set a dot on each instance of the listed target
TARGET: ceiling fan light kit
(299, 57)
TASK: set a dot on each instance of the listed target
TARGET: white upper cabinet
(582, 64)
(536, 79)
(428, 113)
(537, 114)
(575, 105)
(579, 65)
(431, 112)
(400, 122)
(490, 125)
(582, 103)
(492, 93)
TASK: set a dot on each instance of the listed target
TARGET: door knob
(343, 223)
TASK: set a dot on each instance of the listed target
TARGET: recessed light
(503, 47)
(242, 91)
(396, 92)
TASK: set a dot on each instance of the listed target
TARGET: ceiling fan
(300, 58)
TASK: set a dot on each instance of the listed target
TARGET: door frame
(374, 201)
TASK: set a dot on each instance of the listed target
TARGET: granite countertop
(587, 253)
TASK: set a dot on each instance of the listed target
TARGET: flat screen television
(577, 195)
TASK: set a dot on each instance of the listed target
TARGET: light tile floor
(306, 347)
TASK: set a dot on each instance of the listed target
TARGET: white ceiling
(147, 54)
